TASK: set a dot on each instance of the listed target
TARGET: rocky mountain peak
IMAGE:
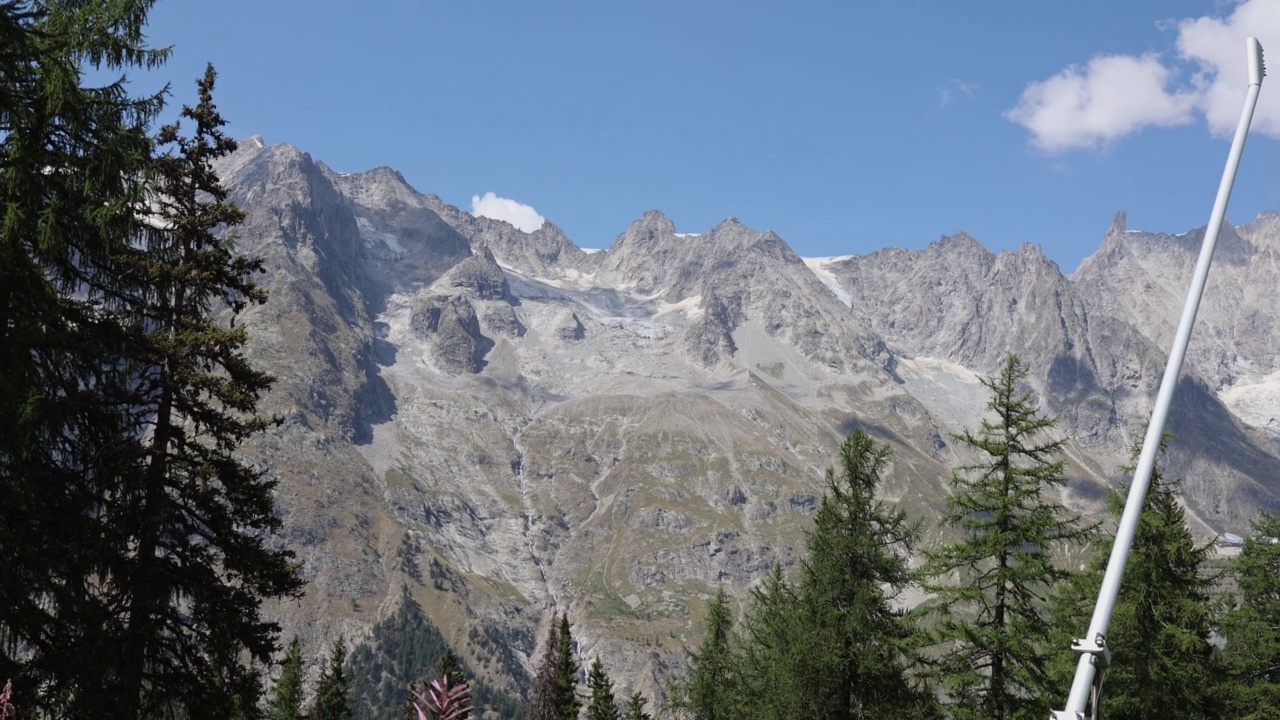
(1118, 223)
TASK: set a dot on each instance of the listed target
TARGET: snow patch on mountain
(372, 235)
(951, 392)
(690, 307)
(820, 267)
(1257, 403)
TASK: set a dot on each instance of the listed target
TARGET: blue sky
(842, 126)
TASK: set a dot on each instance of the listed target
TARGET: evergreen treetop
(333, 699)
(989, 625)
(603, 705)
(286, 694)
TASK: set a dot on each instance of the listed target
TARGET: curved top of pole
(1257, 70)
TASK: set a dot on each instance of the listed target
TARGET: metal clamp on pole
(1096, 647)
(1100, 658)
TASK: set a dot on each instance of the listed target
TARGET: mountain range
(511, 426)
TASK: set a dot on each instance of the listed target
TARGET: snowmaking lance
(1093, 654)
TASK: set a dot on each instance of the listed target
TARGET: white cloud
(1112, 96)
(1116, 95)
(517, 213)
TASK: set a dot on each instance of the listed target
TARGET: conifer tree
(286, 694)
(1252, 652)
(567, 702)
(542, 698)
(1162, 661)
(603, 705)
(711, 691)
(771, 685)
(555, 690)
(635, 708)
(450, 667)
(990, 628)
(333, 699)
(74, 158)
(196, 514)
(855, 644)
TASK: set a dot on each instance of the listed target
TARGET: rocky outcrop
(449, 323)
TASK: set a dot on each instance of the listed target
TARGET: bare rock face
(512, 428)
(710, 339)
(480, 276)
(1142, 278)
(570, 328)
(450, 323)
(501, 318)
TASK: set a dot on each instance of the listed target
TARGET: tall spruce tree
(603, 705)
(74, 160)
(855, 645)
(197, 515)
(333, 694)
(542, 697)
(286, 694)
(711, 690)
(568, 704)
(989, 625)
(1162, 661)
(1252, 627)
(555, 689)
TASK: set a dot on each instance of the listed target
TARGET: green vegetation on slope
(406, 647)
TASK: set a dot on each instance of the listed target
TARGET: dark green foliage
(567, 668)
(286, 695)
(135, 538)
(405, 648)
(196, 514)
(450, 666)
(555, 689)
(711, 691)
(1252, 653)
(635, 708)
(770, 688)
(333, 694)
(832, 645)
(990, 628)
(854, 650)
(1163, 664)
(74, 160)
(603, 705)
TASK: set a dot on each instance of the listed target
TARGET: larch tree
(989, 626)
(711, 689)
(74, 165)
(542, 697)
(567, 702)
(856, 645)
(771, 683)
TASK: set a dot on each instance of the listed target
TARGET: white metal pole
(1092, 647)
